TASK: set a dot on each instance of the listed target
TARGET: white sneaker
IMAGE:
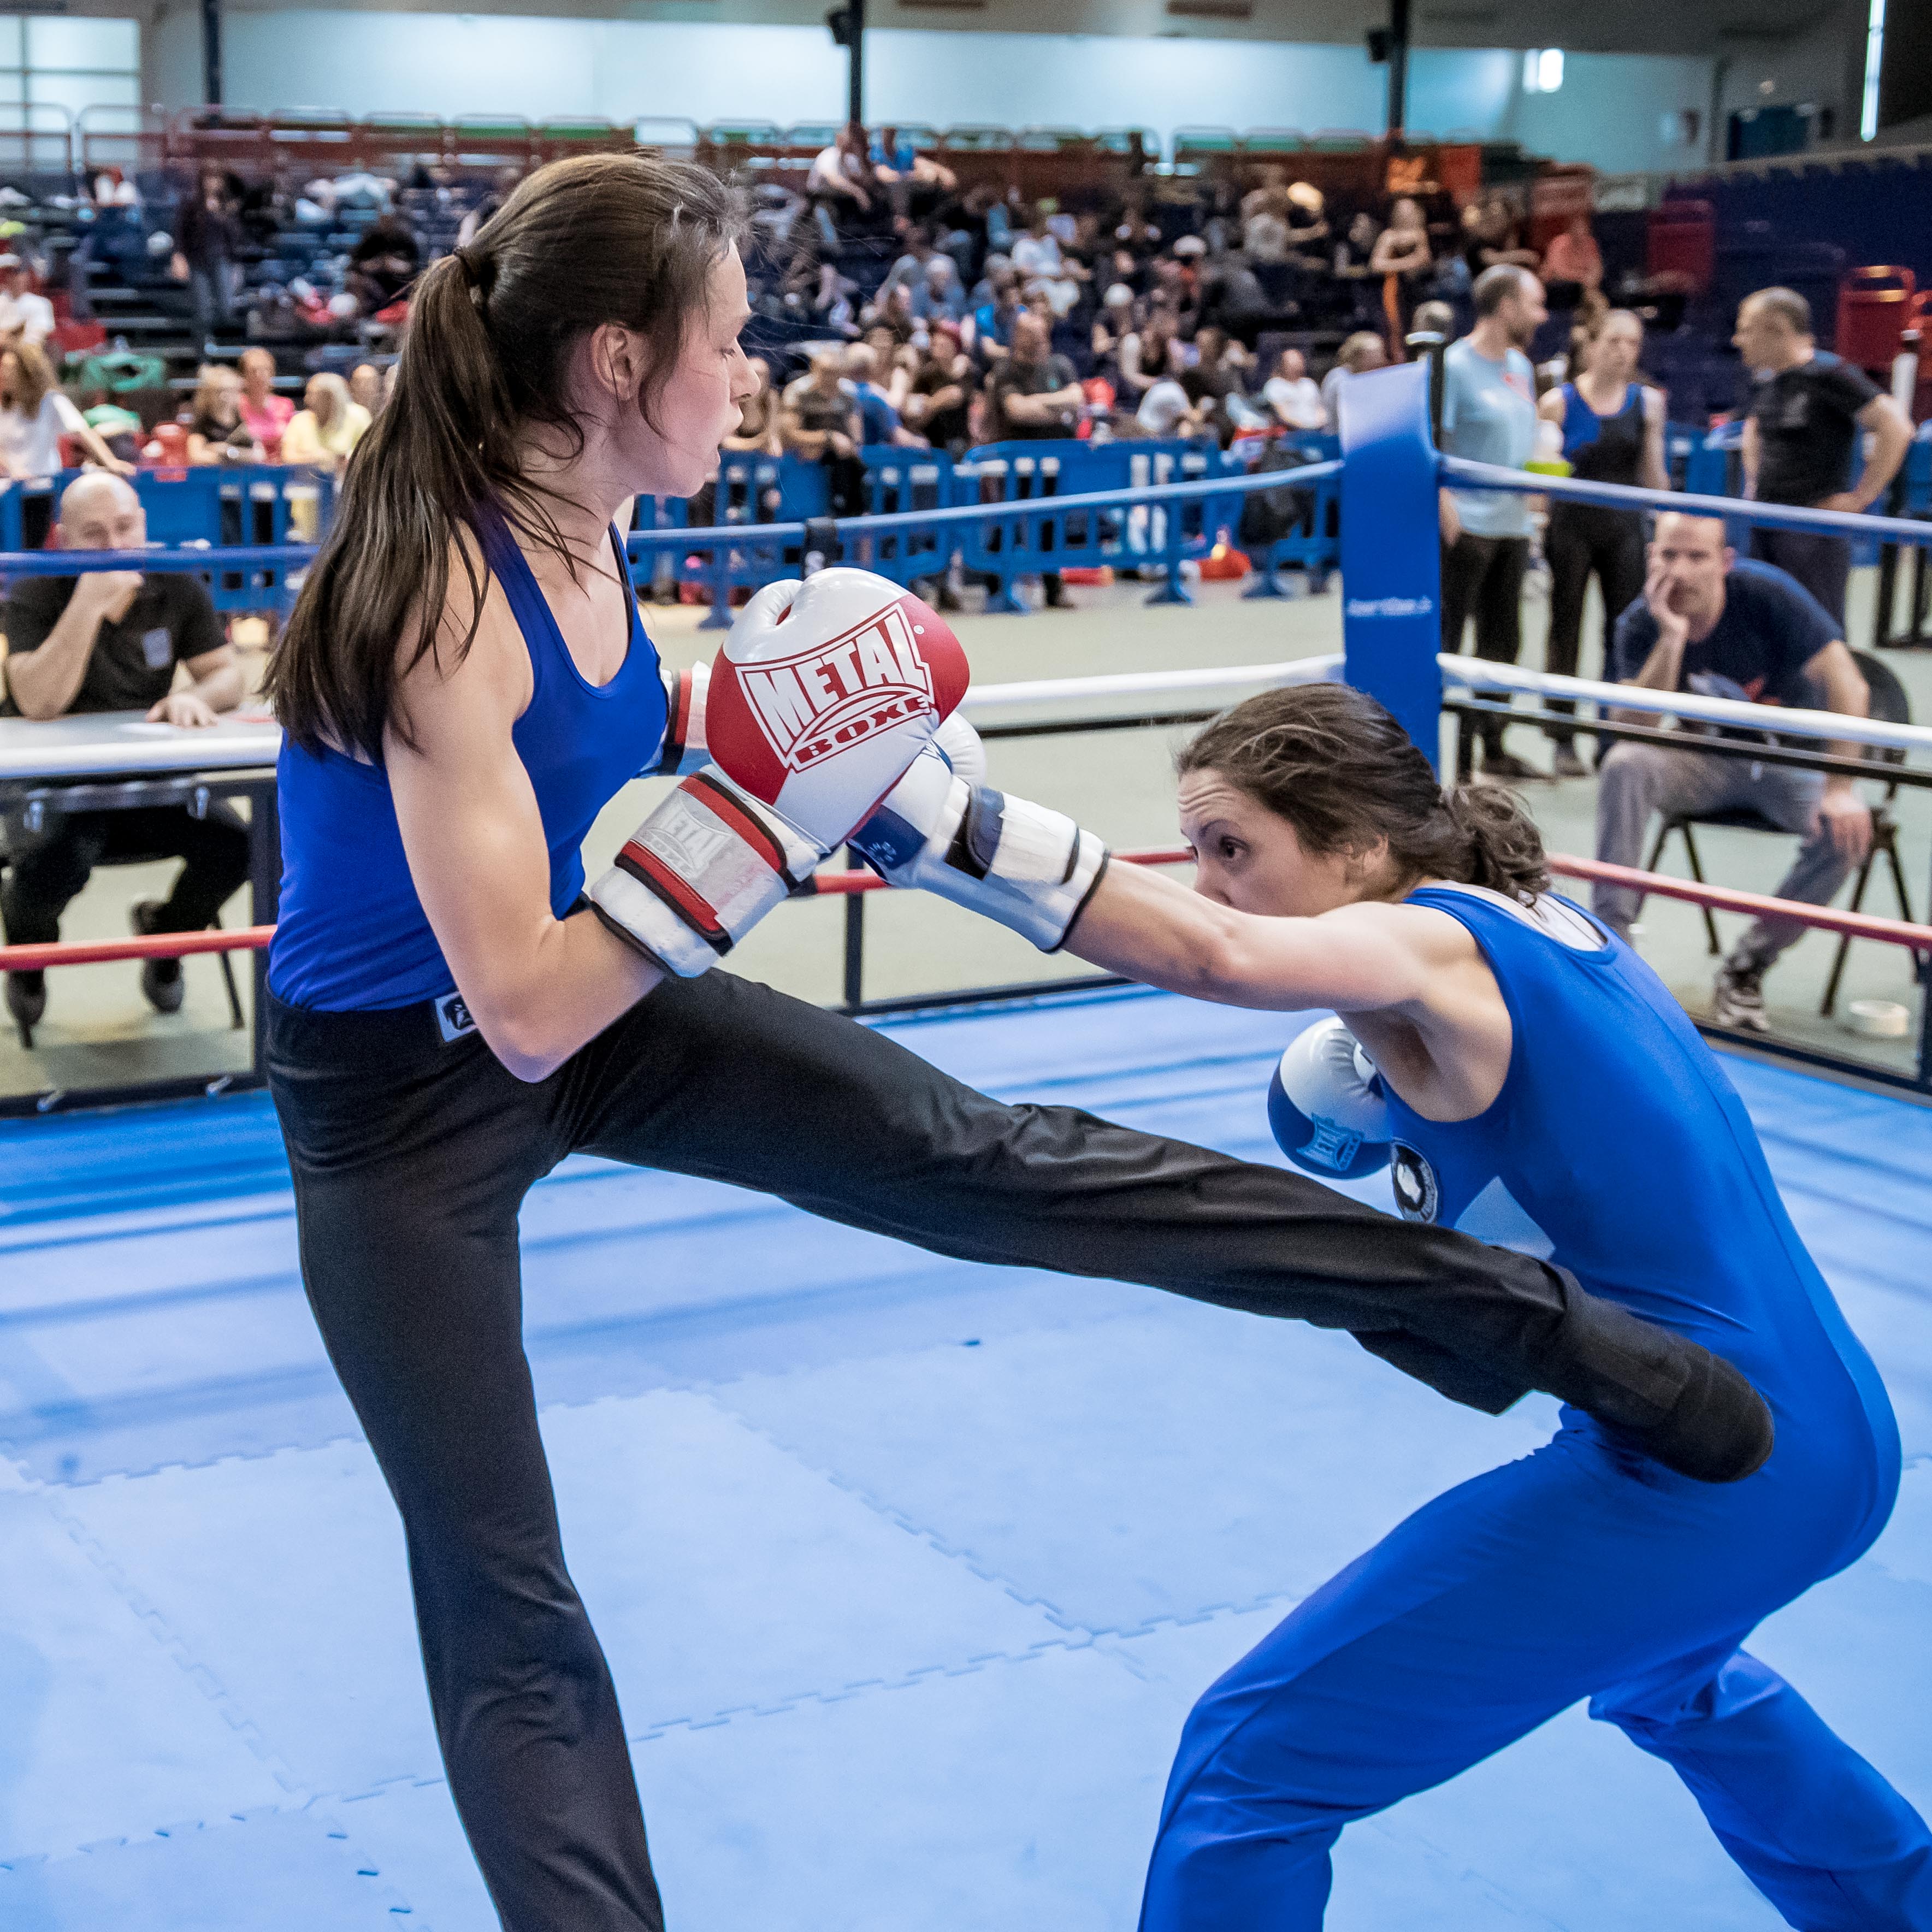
(1737, 1000)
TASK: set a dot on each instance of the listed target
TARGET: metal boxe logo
(834, 695)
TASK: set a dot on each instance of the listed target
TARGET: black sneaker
(160, 979)
(1737, 1000)
(26, 999)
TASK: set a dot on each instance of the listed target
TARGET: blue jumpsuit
(1618, 1147)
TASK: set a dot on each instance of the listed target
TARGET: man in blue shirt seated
(1710, 622)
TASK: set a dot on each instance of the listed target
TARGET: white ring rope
(1138, 684)
(1473, 674)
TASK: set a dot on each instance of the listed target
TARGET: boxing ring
(908, 1569)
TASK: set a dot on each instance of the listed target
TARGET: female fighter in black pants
(1612, 425)
(465, 683)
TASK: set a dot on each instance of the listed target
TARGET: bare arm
(1891, 437)
(539, 987)
(1747, 456)
(1662, 670)
(219, 685)
(1656, 471)
(1836, 672)
(46, 680)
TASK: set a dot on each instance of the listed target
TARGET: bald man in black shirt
(110, 640)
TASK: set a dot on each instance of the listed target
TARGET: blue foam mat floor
(908, 1570)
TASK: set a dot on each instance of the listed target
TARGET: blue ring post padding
(1391, 558)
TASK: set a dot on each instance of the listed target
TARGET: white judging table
(96, 744)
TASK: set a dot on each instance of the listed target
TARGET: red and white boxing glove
(939, 829)
(824, 693)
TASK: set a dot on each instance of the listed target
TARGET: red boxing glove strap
(676, 890)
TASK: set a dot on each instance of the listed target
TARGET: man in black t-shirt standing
(110, 640)
(1710, 624)
(1806, 412)
(1034, 395)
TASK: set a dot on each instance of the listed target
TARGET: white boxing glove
(1328, 1107)
(823, 693)
(1029, 868)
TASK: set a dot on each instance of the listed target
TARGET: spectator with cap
(1711, 623)
(25, 314)
(111, 641)
(1489, 415)
(840, 181)
(1801, 431)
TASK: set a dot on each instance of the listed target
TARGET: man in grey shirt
(1489, 415)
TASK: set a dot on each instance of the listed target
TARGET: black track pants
(412, 1156)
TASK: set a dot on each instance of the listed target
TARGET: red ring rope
(1721, 898)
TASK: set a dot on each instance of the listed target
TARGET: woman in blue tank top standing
(463, 684)
(1542, 1088)
(1612, 425)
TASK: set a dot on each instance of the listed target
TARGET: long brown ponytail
(599, 239)
(1338, 767)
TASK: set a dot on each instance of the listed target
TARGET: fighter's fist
(824, 693)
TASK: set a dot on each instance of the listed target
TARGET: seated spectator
(1572, 264)
(938, 296)
(1264, 217)
(265, 413)
(1350, 266)
(216, 432)
(1293, 393)
(1492, 238)
(940, 403)
(1404, 260)
(1043, 270)
(110, 640)
(1034, 395)
(1307, 220)
(1167, 409)
(1363, 352)
(1711, 622)
(1232, 299)
(23, 312)
(909, 270)
(479, 217)
(993, 320)
(325, 432)
(894, 316)
(34, 415)
(1213, 379)
(121, 429)
(819, 417)
(386, 260)
(841, 180)
(879, 421)
(365, 387)
(1143, 357)
(1113, 322)
(758, 427)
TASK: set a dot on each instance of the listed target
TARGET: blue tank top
(352, 934)
(1604, 449)
(1618, 1149)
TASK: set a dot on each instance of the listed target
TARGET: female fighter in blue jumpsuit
(1544, 1090)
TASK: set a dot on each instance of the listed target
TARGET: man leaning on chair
(1722, 626)
(110, 640)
